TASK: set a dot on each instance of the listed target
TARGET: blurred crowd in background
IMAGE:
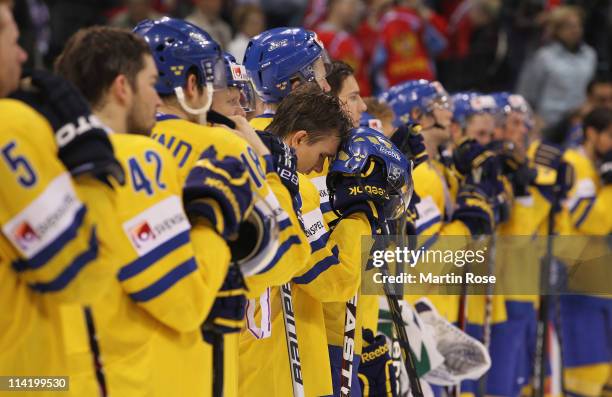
(557, 54)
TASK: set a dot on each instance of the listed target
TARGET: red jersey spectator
(367, 32)
(340, 43)
(410, 38)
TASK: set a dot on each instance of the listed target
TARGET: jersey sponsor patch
(321, 185)
(44, 219)
(156, 225)
(314, 226)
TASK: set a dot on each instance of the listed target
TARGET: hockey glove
(219, 191)
(516, 170)
(409, 141)
(227, 313)
(471, 158)
(555, 176)
(605, 169)
(284, 161)
(365, 193)
(376, 371)
(474, 209)
(83, 143)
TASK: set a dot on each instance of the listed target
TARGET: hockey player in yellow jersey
(585, 320)
(277, 71)
(168, 279)
(186, 87)
(445, 207)
(55, 246)
(332, 272)
(186, 100)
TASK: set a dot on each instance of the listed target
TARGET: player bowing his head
(314, 138)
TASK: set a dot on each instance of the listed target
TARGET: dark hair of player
(94, 57)
(308, 108)
(598, 119)
(339, 72)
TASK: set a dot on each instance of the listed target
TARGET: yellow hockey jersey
(588, 202)
(163, 288)
(332, 274)
(55, 248)
(188, 140)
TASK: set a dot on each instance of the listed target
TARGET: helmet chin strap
(201, 112)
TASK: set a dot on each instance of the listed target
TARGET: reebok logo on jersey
(156, 225)
(371, 190)
(24, 235)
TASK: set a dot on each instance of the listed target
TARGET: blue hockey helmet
(178, 47)
(466, 104)
(507, 103)
(359, 151)
(237, 77)
(421, 94)
(274, 58)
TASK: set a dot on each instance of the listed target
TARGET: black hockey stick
(292, 341)
(488, 314)
(95, 350)
(218, 345)
(400, 330)
(348, 347)
(455, 390)
(542, 341)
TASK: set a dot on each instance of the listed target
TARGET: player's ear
(191, 86)
(121, 89)
(415, 114)
(298, 138)
(295, 84)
